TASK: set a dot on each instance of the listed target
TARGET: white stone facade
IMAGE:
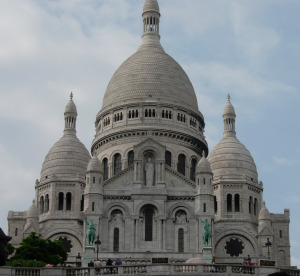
(149, 188)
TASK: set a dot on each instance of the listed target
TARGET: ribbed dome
(151, 5)
(32, 211)
(231, 160)
(94, 165)
(264, 213)
(228, 109)
(203, 165)
(67, 158)
(71, 107)
(150, 74)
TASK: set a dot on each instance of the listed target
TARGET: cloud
(283, 161)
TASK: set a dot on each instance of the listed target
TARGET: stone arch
(70, 232)
(177, 206)
(250, 240)
(150, 145)
(113, 153)
(139, 207)
(116, 205)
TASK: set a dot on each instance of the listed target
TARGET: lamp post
(97, 242)
(78, 260)
(268, 244)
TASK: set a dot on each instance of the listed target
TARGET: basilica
(148, 187)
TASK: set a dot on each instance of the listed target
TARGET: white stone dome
(203, 165)
(231, 160)
(68, 158)
(264, 214)
(151, 5)
(150, 74)
(32, 211)
(94, 165)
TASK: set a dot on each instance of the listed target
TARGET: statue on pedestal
(206, 233)
(90, 232)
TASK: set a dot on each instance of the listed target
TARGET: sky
(249, 48)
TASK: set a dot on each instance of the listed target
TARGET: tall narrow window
(116, 240)
(193, 169)
(229, 203)
(117, 163)
(42, 203)
(148, 224)
(181, 164)
(250, 204)
(81, 203)
(47, 203)
(93, 206)
(204, 207)
(216, 204)
(255, 207)
(180, 240)
(69, 201)
(60, 201)
(16, 231)
(280, 234)
(236, 202)
(105, 169)
(168, 157)
(130, 158)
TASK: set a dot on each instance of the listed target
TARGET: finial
(71, 96)
(228, 97)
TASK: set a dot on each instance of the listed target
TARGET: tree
(10, 249)
(45, 250)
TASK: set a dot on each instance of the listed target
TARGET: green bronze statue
(90, 232)
(206, 233)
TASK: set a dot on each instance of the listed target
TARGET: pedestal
(207, 254)
(89, 254)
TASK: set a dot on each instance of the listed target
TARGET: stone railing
(148, 269)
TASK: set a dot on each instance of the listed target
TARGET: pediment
(175, 180)
(121, 181)
(149, 145)
(266, 231)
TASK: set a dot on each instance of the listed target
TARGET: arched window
(60, 201)
(236, 202)
(229, 203)
(250, 204)
(180, 240)
(168, 157)
(47, 203)
(193, 169)
(148, 224)
(105, 169)
(116, 240)
(181, 164)
(130, 158)
(117, 163)
(42, 205)
(69, 201)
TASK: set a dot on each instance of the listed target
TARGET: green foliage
(25, 263)
(10, 249)
(44, 250)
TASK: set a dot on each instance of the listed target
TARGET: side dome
(230, 159)
(68, 158)
(203, 165)
(94, 165)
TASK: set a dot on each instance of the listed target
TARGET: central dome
(150, 72)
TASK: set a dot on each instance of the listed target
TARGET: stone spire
(70, 116)
(229, 119)
(151, 17)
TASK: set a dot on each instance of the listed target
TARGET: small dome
(203, 165)
(264, 213)
(228, 109)
(71, 107)
(231, 160)
(151, 5)
(33, 211)
(67, 158)
(94, 165)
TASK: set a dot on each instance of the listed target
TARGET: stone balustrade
(148, 269)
